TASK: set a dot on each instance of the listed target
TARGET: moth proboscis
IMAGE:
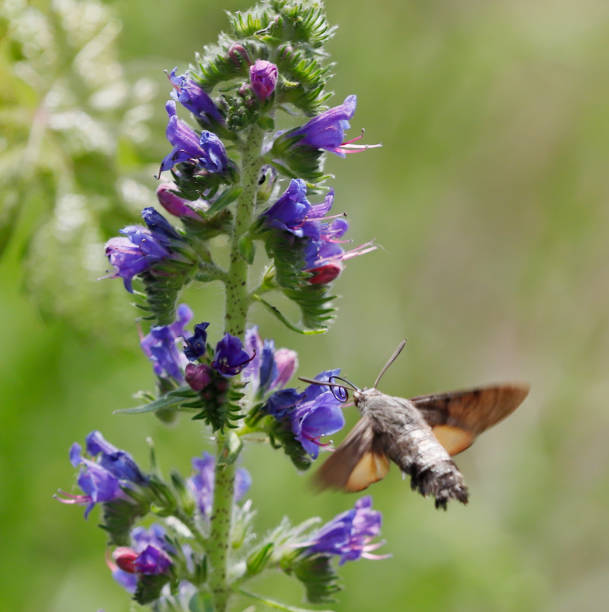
(419, 435)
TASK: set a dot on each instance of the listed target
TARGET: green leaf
(247, 249)
(315, 304)
(149, 588)
(318, 577)
(277, 313)
(258, 560)
(282, 436)
(171, 399)
(231, 449)
(266, 123)
(277, 605)
(119, 516)
(228, 196)
(209, 226)
(301, 160)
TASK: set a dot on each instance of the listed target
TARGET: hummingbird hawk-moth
(419, 435)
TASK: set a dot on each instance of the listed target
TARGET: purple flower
(205, 150)
(311, 414)
(349, 534)
(159, 226)
(194, 98)
(148, 555)
(263, 78)
(230, 358)
(135, 254)
(269, 368)
(102, 480)
(176, 205)
(324, 257)
(160, 345)
(201, 485)
(152, 561)
(118, 462)
(143, 246)
(197, 343)
(281, 403)
(215, 159)
(310, 420)
(327, 130)
(293, 213)
(126, 579)
(155, 536)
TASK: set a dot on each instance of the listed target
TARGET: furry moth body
(419, 435)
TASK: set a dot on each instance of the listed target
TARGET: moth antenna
(391, 359)
(342, 395)
(345, 380)
(322, 383)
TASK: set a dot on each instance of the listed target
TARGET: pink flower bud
(173, 203)
(287, 362)
(263, 77)
(197, 376)
(326, 273)
(125, 559)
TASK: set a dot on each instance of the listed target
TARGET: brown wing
(356, 463)
(457, 418)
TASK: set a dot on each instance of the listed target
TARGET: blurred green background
(489, 200)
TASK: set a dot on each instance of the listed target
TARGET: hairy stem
(237, 303)
(236, 284)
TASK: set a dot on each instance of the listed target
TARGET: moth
(420, 435)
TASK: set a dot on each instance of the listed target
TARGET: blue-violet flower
(161, 345)
(134, 254)
(192, 97)
(206, 150)
(293, 213)
(349, 534)
(196, 344)
(327, 130)
(201, 485)
(269, 369)
(101, 481)
(118, 462)
(311, 414)
(230, 358)
(148, 555)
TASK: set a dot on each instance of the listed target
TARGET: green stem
(237, 304)
(236, 284)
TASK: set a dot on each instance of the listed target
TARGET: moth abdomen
(443, 481)
(410, 443)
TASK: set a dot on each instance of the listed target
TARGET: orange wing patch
(371, 468)
(453, 439)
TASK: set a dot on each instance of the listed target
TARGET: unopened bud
(197, 375)
(325, 274)
(173, 203)
(125, 559)
(263, 77)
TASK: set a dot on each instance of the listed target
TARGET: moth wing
(356, 463)
(456, 418)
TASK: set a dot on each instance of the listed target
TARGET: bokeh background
(489, 199)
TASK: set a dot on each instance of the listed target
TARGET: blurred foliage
(73, 152)
(490, 200)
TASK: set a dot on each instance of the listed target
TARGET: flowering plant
(231, 172)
